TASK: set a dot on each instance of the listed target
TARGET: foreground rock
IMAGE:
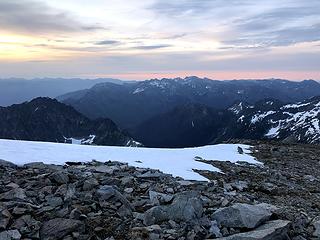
(10, 235)
(57, 228)
(100, 201)
(186, 207)
(243, 215)
(274, 230)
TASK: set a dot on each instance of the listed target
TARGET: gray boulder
(316, 225)
(152, 175)
(243, 215)
(14, 194)
(27, 225)
(186, 207)
(104, 169)
(157, 198)
(106, 192)
(60, 177)
(5, 217)
(59, 227)
(273, 230)
(10, 235)
(6, 164)
(90, 184)
(43, 166)
(214, 229)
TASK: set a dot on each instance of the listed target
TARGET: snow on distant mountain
(296, 122)
(178, 162)
(131, 104)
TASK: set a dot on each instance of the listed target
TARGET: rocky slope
(131, 104)
(277, 200)
(45, 119)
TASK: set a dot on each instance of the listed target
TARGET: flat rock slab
(60, 177)
(273, 230)
(10, 235)
(157, 198)
(106, 192)
(14, 194)
(243, 215)
(58, 228)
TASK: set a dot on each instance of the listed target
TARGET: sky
(135, 39)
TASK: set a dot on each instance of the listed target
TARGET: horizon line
(157, 78)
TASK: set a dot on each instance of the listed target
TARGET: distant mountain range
(45, 119)
(131, 104)
(171, 113)
(194, 125)
(15, 90)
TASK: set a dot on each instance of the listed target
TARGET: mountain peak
(46, 119)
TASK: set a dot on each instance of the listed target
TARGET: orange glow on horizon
(218, 75)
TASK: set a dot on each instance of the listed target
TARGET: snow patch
(86, 141)
(295, 105)
(273, 132)
(138, 90)
(241, 118)
(89, 140)
(258, 117)
(178, 162)
(133, 143)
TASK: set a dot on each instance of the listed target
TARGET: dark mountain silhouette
(45, 119)
(14, 90)
(189, 125)
(197, 125)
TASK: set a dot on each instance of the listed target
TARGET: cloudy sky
(140, 39)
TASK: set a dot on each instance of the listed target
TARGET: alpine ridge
(198, 125)
(45, 119)
(298, 122)
(131, 104)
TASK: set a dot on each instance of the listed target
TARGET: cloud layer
(157, 36)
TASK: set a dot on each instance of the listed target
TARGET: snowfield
(178, 162)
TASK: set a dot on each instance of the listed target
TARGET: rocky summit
(278, 199)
